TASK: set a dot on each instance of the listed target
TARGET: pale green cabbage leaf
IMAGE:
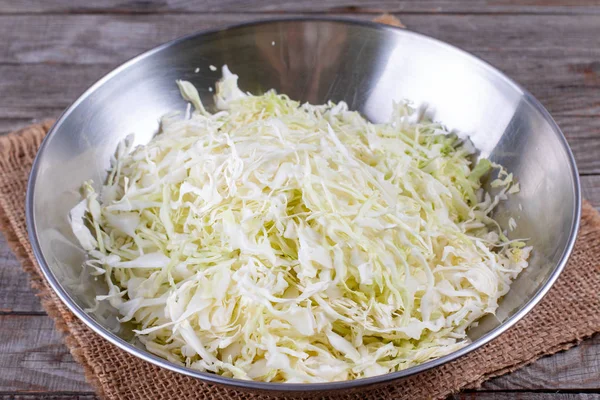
(287, 242)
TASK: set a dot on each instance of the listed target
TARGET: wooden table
(51, 50)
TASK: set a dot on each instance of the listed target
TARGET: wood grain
(16, 296)
(571, 7)
(33, 357)
(562, 70)
(15, 118)
(54, 86)
(590, 186)
(575, 369)
(524, 396)
(583, 135)
(532, 44)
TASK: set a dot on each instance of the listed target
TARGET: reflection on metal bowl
(315, 60)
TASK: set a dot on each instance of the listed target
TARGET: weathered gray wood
(12, 119)
(44, 86)
(562, 70)
(36, 86)
(350, 6)
(590, 186)
(583, 135)
(525, 43)
(567, 100)
(16, 296)
(524, 396)
(33, 357)
(575, 369)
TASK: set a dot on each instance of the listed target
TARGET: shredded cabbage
(287, 242)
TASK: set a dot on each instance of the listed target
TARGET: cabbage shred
(287, 242)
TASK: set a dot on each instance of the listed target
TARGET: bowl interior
(365, 65)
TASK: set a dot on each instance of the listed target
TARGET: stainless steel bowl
(315, 60)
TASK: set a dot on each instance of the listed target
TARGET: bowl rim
(291, 387)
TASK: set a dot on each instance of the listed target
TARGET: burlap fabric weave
(569, 313)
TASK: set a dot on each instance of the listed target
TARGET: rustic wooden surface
(52, 50)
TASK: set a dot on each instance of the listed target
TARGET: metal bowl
(368, 66)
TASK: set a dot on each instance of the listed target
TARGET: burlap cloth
(569, 313)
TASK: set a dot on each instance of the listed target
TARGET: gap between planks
(572, 7)
(112, 39)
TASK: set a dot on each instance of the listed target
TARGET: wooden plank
(529, 45)
(324, 6)
(583, 135)
(575, 369)
(54, 86)
(44, 86)
(33, 357)
(15, 118)
(524, 396)
(562, 70)
(16, 296)
(567, 100)
(590, 186)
